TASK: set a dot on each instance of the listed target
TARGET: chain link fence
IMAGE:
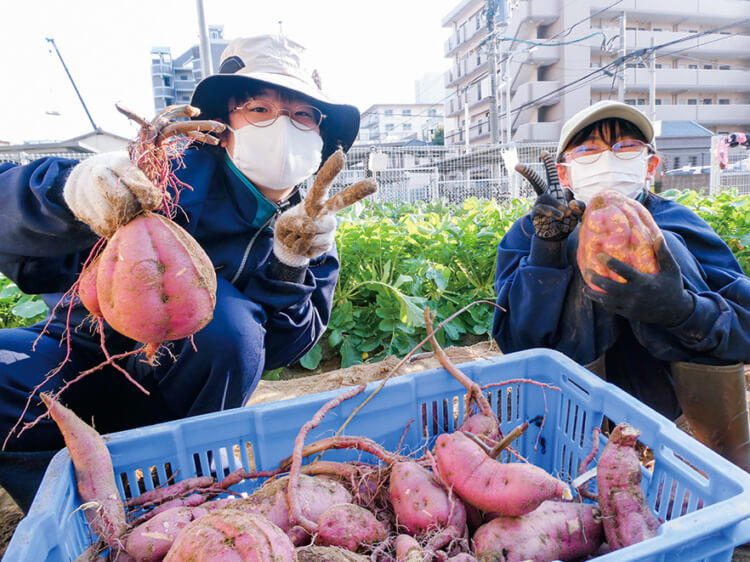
(26, 157)
(736, 175)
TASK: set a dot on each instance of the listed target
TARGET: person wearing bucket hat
(677, 340)
(274, 292)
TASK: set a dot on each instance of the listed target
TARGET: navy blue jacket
(542, 293)
(42, 246)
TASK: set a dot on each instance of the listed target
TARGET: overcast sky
(366, 52)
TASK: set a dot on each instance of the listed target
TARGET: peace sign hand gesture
(306, 231)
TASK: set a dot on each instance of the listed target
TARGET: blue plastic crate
(707, 518)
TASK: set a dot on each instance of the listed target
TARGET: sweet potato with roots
(316, 553)
(508, 488)
(150, 541)
(227, 535)
(553, 531)
(423, 506)
(351, 527)
(95, 477)
(620, 227)
(627, 517)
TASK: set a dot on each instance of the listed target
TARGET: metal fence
(456, 172)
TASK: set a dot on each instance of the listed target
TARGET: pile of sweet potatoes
(455, 502)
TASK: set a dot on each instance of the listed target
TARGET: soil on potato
(298, 385)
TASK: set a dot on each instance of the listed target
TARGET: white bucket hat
(275, 61)
(604, 110)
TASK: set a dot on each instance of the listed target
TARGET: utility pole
(86, 109)
(205, 48)
(507, 99)
(621, 81)
(652, 90)
(466, 116)
(494, 137)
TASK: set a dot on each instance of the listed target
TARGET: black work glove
(555, 213)
(553, 219)
(658, 298)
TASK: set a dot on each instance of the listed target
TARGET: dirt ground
(269, 391)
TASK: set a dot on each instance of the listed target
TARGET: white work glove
(107, 190)
(298, 238)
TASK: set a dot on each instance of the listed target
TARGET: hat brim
(619, 111)
(340, 125)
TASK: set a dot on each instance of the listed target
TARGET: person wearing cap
(676, 340)
(272, 303)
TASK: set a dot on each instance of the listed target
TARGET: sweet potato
(621, 227)
(408, 549)
(422, 505)
(349, 526)
(483, 426)
(508, 488)
(627, 517)
(95, 477)
(151, 540)
(227, 535)
(553, 531)
(328, 554)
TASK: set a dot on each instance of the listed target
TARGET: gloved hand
(555, 213)
(553, 219)
(107, 190)
(658, 298)
(306, 231)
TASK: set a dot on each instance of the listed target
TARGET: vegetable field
(397, 259)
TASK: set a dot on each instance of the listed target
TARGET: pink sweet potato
(350, 526)
(553, 531)
(95, 477)
(483, 426)
(422, 505)
(627, 517)
(227, 535)
(508, 488)
(316, 553)
(408, 549)
(151, 540)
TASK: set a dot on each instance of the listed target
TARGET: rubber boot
(598, 366)
(714, 403)
(21, 473)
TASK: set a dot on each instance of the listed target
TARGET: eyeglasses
(263, 113)
(624, 150)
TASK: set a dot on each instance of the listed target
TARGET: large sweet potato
(620, 227)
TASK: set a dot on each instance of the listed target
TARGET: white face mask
(608, 172)
(278, 156)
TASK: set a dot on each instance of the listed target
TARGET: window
(451, 106)
(707, 101)
(657, 29)
(693, 160)
(479, 128)
(641, 29)
(185, 98)
(708, 67)
(406, 112)
(388, 112)
(479, 59)
(693, 66)
(641, 101)
(657, 101)
(692, 101)
(389, 126)
(167, 81)
(168, 101)
(214, 35)
(657, 66)
(723, 101)
(184, 77)
(479, 91)
(676, 162)
(630, 102)
(432, 113)
(406, 127)
(724, 67)
(630, 65)
(692, 31)
(683, 66)
(479, 20)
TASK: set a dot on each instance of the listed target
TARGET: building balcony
(159, 68)
(453, 78)
(184, 85)
(733, 115)
(703, 12)
(163, 91)
(532, 12)
(531, 91)
(679, 80)
(711, 45)
(457, 40)
(535, 131)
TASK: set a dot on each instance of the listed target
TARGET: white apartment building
(703, 79)
(382, 123)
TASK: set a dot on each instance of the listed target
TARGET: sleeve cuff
(698, 325)
(282, 272)
(548, 254)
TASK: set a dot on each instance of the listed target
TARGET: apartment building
(174, 78)
(400, 122)
(703, 79)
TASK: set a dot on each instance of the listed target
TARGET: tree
(439, 137)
